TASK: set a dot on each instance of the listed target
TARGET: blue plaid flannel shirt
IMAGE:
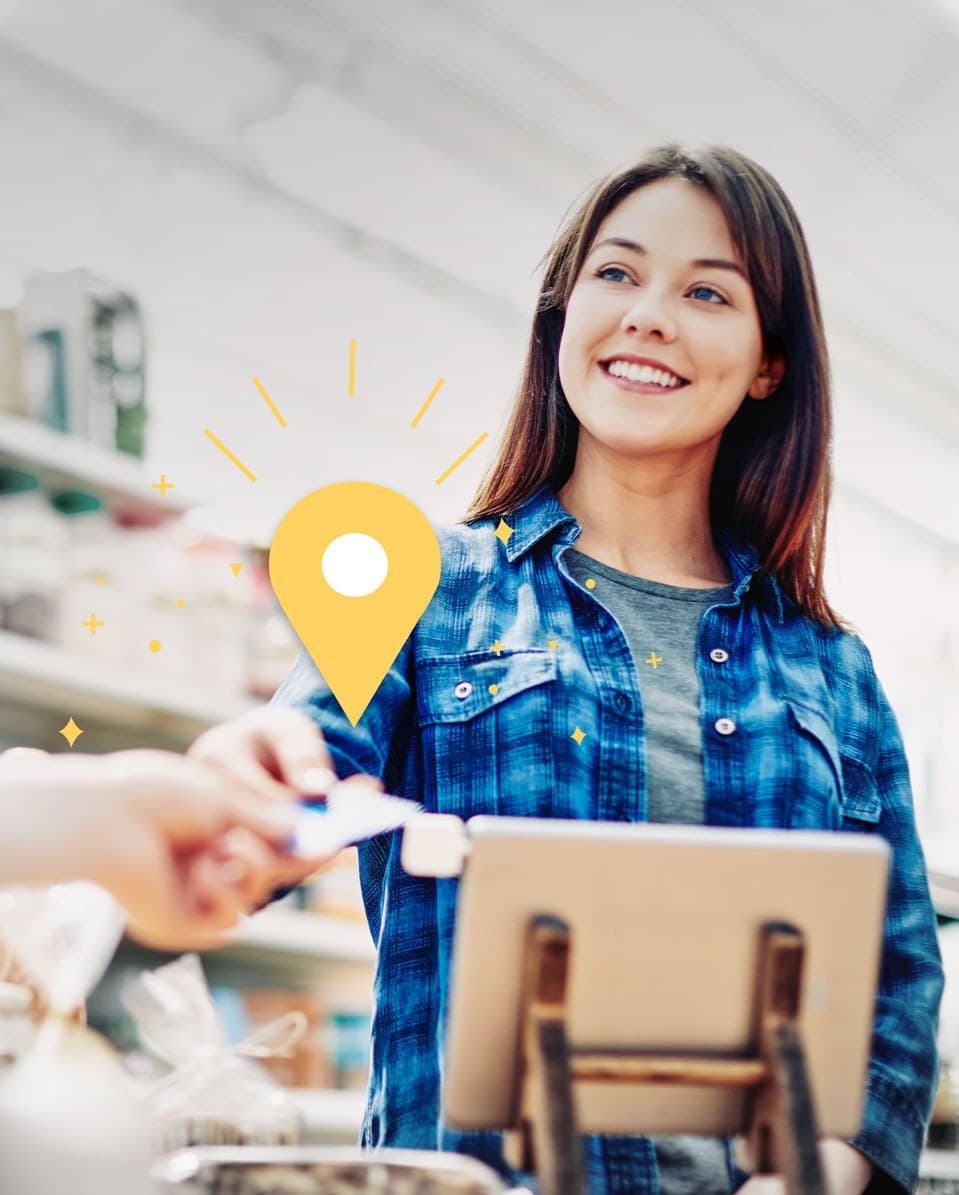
(816, 745)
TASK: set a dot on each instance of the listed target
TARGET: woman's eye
(709, 290)
(610, 270)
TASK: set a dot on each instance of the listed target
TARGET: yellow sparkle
(503, 532)
(590, 583)
(99, 580)
(71, 732)
(578, 735)
(180, 603)
(655, 660)
(93, 623)
(237, 567)
(553, 644)
(163, 485)
(494, 689)
(155, 645)
(498, 648)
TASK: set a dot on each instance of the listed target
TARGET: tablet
(665, 929)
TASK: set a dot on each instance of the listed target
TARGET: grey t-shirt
(661, 625)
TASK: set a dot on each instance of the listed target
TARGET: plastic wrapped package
(70, 1116)
(215, 1094)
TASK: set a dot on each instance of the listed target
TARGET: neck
(653, 524)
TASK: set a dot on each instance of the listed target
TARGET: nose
(649, 313)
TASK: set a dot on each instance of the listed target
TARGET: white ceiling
(274, 179)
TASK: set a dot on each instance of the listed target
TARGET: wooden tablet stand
(782, 1131)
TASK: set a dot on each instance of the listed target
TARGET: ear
(769, 378)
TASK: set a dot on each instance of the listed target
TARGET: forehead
(671, 218)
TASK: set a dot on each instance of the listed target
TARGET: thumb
(300, 751)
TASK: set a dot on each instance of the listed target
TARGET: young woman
(631, 626)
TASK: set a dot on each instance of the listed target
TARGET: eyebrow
(701, 263)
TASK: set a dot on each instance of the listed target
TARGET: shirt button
(724, 726)
(622, 702)
(463, 690)
(718, 655)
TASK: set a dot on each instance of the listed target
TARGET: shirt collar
(542, 514)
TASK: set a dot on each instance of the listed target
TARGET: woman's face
(654, 287)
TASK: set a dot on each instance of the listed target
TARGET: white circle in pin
(355, 565)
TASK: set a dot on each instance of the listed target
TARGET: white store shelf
(44, 676)
(278, 935)
(64, 460)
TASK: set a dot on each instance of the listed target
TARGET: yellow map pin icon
(354, 565)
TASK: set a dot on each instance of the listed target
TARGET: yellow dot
(155, 645)
(590, 583)
(179, 602)
(99, 580)
(494, 689)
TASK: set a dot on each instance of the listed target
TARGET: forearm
(48, 816)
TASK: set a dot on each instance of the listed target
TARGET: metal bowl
(319, 1170)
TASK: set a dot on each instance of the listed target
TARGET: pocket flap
(857, 786)
(861, 799)
(818, 728)
(457, 688)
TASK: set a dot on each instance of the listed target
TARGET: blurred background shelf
(46, 677)
(59, 459)
(293, 935)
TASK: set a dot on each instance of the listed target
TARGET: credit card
(349, 816)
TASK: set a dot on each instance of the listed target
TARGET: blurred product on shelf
(137, 588)
(32, 537)
(335, 891)
(306, 1064)
(12, 399)
(84, 360)
(348, 1046)
(16, 1024)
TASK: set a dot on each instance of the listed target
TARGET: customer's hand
(147, 825)
(280, 754)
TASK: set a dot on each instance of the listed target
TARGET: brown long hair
(771, 480)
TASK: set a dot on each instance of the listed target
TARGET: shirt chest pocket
(832, 790)
(486, 727)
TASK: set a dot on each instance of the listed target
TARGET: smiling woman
(630, 626)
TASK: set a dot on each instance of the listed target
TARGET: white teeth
(643, 373)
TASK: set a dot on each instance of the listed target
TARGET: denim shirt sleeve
(903, 1063)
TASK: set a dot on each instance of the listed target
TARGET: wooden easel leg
(548, 1112)
(785, 1133)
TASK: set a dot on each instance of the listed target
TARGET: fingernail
(316, 780)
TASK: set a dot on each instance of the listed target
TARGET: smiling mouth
(641, 387)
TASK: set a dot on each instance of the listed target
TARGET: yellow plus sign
(93, 624)
(655, 660)
(498, 647)
(163, 485)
